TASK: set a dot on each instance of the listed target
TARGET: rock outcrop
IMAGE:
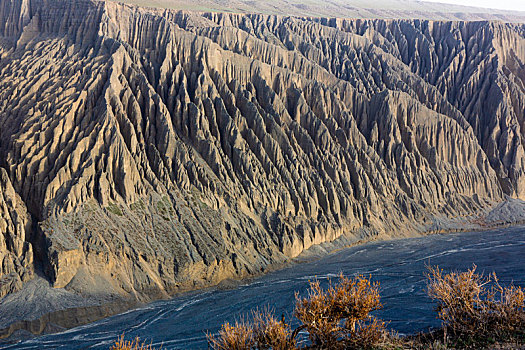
(153, 151)
(16, 255)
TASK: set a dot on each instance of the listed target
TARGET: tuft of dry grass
(270, 333)
(266, 332)
(237, 337)
(135, 344)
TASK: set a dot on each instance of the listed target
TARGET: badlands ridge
(145, 152)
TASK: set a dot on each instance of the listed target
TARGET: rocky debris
(159, 151)
(40, 308)
(510, 211)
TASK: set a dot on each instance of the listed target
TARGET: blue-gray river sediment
(399, 265)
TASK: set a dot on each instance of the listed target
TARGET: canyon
(149, 151)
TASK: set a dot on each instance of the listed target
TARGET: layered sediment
(149, 151)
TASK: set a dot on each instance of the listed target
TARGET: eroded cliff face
(16, 255)
(161, 151)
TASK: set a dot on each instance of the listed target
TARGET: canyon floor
(38, 308)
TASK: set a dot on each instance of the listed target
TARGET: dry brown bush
(237, 337)
(135, 344)
(335, 318)
(339, 317)
(265, 332)
(272, 334)
(369, 335)
(476, 309)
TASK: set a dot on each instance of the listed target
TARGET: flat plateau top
(387, 9)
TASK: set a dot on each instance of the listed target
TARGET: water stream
(182, 323)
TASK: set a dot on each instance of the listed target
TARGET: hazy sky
(496, 4)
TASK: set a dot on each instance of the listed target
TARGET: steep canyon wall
(149, 151)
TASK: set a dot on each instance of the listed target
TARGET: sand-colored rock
(159, 151)
(16, 255)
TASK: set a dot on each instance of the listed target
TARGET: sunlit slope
(150, 151)
(385, 9)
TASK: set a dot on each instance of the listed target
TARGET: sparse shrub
(340, 316)
(264, 333)
(165, 208)
(237, 337)
(270, 333)
(137, 206)
(115, 209)
(335, 318)
(475, 309)
(369, 335)
(319, 317)
(135, 344)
